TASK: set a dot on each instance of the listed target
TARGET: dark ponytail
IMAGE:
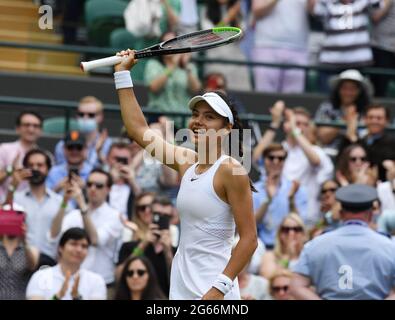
(238, 155)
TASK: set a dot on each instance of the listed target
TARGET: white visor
(215, 102)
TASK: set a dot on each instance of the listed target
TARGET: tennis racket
(195, 41)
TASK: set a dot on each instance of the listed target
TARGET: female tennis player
(212, 200)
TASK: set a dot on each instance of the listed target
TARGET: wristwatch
(84, 212)
(9, 170)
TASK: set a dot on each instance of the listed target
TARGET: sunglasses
(279, 158)
(34, 125)
(280, 288)
(75, 147)
(324, 191)
(355, 159)
(143, 207)
(140, 272)
(97, 185)
(89, 114)
(289, 229)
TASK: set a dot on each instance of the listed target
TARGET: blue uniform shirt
(351, 262)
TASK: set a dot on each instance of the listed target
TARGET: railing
(100, 51)
(69, 106)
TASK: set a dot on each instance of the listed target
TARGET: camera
(122, 160)
(162, 220)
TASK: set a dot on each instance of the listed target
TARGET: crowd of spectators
(101, 221)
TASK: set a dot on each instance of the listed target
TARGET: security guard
(351, 262)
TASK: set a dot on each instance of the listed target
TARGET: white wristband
(223, 284)
(123, 80)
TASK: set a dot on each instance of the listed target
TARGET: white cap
(215, 102)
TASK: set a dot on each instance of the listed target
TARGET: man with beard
(40, 203)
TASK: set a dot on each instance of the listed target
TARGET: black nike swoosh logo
(193, 179)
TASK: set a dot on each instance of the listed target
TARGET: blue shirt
(61, 171)
(278, 209)
(92, 157)
(351, 262)
(39, 217)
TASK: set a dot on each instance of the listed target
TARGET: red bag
(11, 222)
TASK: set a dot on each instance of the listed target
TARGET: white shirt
(47, 282)
(39, 217)
(297, 167)
(386, 196)
(119, 196)
(108, 226)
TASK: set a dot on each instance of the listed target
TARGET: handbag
(11, 221)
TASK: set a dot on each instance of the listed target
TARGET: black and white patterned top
(14, 273)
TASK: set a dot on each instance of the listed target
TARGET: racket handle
(105, 62)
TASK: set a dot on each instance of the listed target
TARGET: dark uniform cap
(74, 138)
(356, 197)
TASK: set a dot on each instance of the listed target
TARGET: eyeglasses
(143, 207)
(75, 147)
(355, 159)
(289, 229)
(324, 191)
(89, 114)
(140, 272)
(97, 185)
(34, 125)
(280, 288)
(279, 158)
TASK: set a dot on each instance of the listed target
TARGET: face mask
(37, 178)
(87, 125)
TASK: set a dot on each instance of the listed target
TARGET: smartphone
(73, 170)
(162, 220)
(11, 222)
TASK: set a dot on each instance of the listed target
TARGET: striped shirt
(346, 25)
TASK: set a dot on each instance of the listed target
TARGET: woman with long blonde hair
(290, 238)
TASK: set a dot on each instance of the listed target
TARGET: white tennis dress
(207, 234)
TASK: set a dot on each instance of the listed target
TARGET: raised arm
(379, 14)
(277, 113)
(177, 158)
(302, 141)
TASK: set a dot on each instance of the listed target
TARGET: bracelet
(9, 170)
(273, 127)
(223, 283)
(63, 205)
(11, 188)
(55, 297)
(168, 72)
(138, 252)
(123, 80)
